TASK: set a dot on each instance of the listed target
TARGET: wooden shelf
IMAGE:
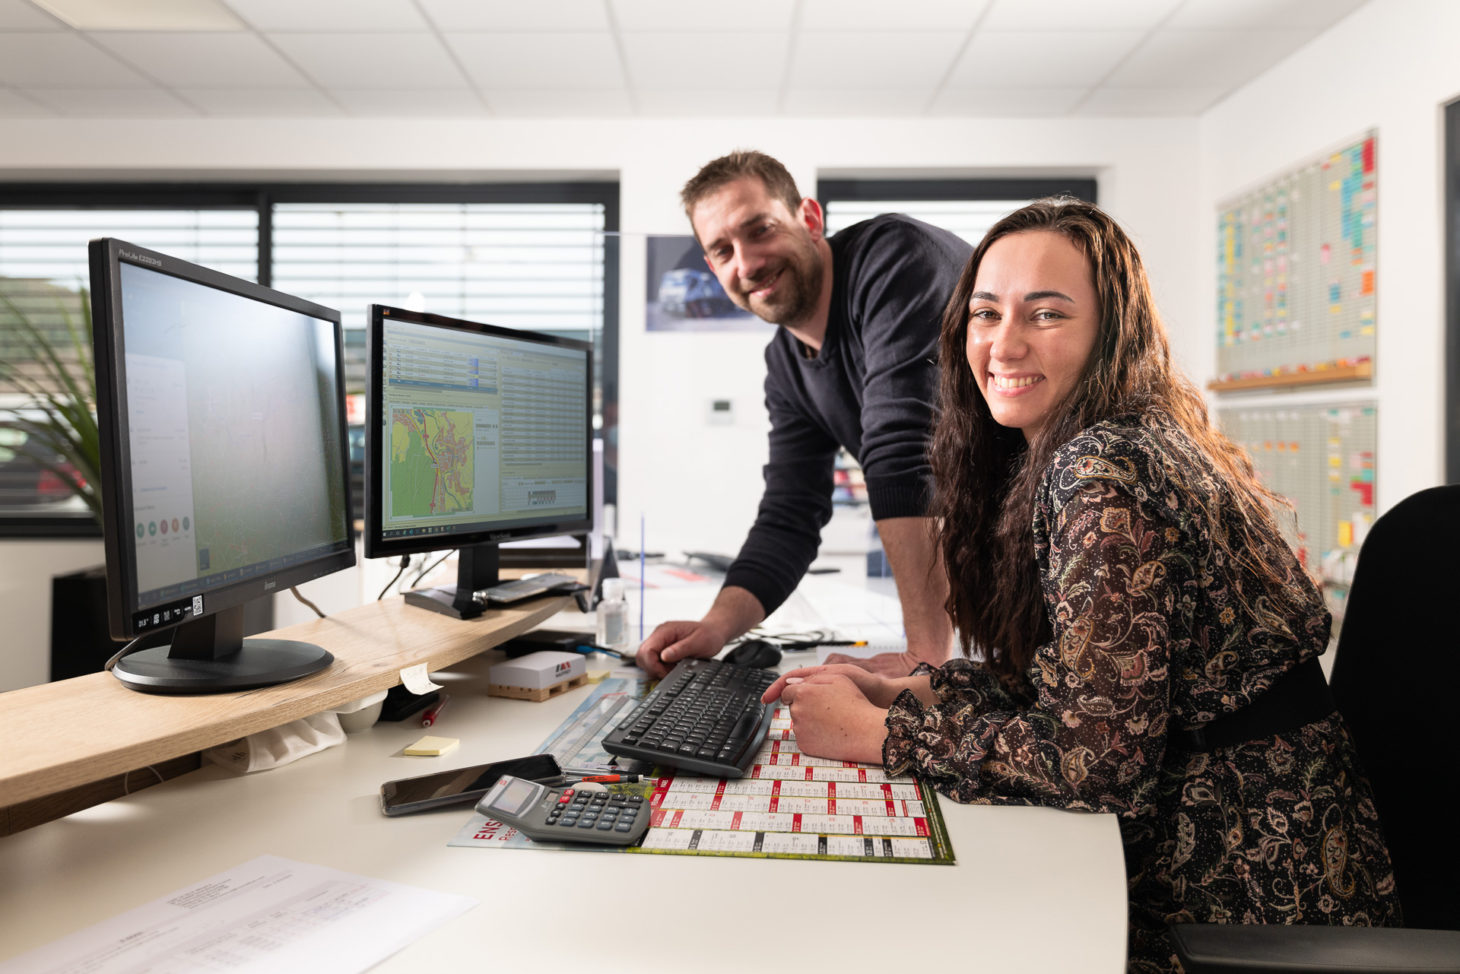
(73, 732)
(1289, 380)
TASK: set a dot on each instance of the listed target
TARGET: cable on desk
(794, 641)
(300, 596)
(429, 568)
(405, 561)
(126, 650)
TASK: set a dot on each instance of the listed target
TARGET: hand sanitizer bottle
(613, 616)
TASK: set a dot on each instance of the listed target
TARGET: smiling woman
(1137, 636)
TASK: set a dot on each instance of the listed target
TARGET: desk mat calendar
(789, 806)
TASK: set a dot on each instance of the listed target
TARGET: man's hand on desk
(734, 612)
(671, 642)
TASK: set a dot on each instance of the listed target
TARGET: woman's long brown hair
(987, 476)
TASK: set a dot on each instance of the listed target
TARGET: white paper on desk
(269, 914)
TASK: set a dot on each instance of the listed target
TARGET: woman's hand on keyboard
(831, 716)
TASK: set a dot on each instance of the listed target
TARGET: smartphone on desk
(462, 786)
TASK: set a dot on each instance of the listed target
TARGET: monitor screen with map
(474, 435)
(224, 464)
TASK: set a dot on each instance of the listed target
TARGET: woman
(1140, 639)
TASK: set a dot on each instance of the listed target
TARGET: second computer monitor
(475, 435)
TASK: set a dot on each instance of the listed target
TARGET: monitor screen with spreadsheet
(475, 435)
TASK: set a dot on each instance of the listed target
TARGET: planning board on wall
(1322, 459)
(1296, 275)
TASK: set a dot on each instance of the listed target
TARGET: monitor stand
(477, 568)
(210, 655)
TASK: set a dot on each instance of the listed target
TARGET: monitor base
(446, 602)
(260, 663)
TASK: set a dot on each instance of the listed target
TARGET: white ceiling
(641, 58)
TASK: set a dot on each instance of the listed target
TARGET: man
(852, 365)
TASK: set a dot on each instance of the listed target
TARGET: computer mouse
(754, 652)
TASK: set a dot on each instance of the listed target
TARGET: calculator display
(515, 795)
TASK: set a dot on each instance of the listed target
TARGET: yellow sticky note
(432, 747)
(1345, 534)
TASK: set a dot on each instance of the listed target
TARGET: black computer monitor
(225, 471)
(474, 435)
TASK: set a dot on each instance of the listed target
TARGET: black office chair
(1396, 673)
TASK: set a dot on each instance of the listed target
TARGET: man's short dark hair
(740, 164)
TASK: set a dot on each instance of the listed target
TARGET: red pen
(429, 717)
(610, 778)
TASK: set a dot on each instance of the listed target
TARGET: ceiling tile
(842, 102)
(1260, 14)
(182, 15)
(1007, 102)
(1020, 59)
(829, 59)
(719, 103)
(1076, 14)
(13, 104)
(21, 15)
(353, 16)
(1163, 101)
(539, 61)
(407, 61)
(113, 102)
(204, 60)
(261, 102)
(678, 16)
(671, 60)
(435, 103)
(1199, 58)
(512, 15)
(61, 60)
(874, 15)
(560, 102)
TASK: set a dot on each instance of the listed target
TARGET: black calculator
(547, 813)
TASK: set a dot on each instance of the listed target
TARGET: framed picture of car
(683, 295)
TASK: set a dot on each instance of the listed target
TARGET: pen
(588, 648)
(609, 779)
(429, 717)
(843, 642)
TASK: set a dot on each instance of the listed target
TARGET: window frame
(261, 198)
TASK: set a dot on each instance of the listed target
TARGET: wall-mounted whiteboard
(1322, 459)
(1296, 276)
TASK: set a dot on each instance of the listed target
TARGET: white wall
(1391, 67)
(26, 568)
(695, 485)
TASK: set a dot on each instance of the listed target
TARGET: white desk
(1033, 889)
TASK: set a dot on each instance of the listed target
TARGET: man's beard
(798, 279)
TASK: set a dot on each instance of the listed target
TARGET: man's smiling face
(764, 255)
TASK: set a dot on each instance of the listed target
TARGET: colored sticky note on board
(1345, 534)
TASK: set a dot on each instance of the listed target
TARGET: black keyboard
(705, 716)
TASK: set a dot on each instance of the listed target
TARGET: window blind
(538, 266)
(969, 219)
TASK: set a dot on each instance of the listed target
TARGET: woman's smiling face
(1032, 322)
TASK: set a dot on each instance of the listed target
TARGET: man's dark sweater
(871, 388)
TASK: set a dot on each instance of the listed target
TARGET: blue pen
(641, 578)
